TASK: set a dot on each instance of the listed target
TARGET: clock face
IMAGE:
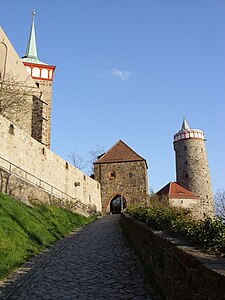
(36, 72)
(44, 73)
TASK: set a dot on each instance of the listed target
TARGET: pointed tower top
(187, 133)
(31, 50)
(185, 125)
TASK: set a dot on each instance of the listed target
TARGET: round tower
(192, 171)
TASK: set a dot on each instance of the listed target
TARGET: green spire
(31, 50)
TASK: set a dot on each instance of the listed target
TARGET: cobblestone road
(92, 263)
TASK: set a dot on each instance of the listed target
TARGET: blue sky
(130, 70)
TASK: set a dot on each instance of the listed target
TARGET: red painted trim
(41, 67)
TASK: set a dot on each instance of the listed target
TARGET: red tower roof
(120, 152)
(175, 190)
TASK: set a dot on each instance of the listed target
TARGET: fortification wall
(37, 163)
(179, 270)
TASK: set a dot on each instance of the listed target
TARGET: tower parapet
(192, 171)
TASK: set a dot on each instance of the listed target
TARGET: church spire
(31, 50)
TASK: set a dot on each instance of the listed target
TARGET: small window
(37, 84)
(186, 175)
(97, 185)
(43, 151)
(11, 129)
(130, 175)
(76, 183)
(112, 174)
(185, 147)
(89, 198)
(84, 177)
(67, 166)
(181, 201)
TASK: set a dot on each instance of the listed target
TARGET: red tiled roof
(175, 190)
(119, 152)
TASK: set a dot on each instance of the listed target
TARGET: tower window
(84, 177)
(185, 147)
(130, 175)
(43, 151)
(112, 174)
(186, 175)
(67, 166)
(11, 129)
(37, 84)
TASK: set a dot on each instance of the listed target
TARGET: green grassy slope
(25, 231)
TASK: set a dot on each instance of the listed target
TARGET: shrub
(208, 233)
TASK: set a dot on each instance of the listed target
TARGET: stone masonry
(29, 159)
(192, 171)
(41, 114)
(121, 172)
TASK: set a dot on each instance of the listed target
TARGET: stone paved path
(92, 263)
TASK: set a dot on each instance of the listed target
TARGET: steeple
(31, 50)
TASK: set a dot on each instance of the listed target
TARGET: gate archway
(117, 204)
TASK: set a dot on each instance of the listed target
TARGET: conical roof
(185, 125)
(31, 50)
(119, 152)
(175, 190)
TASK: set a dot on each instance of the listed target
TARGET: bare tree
(78, 161)
(219, 202)
(86, 164)
(93, 156)
(15, 97)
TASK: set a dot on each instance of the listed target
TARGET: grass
(26, 231)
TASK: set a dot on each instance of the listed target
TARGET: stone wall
(32, 194)
(28, 158)
(12, 67)
(192, 172)
(129, 181)
(179, 270)
(41, 114)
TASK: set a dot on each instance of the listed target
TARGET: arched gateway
(121, 171)
(117, 204)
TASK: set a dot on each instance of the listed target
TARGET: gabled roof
(175, 190)
(119, 152)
